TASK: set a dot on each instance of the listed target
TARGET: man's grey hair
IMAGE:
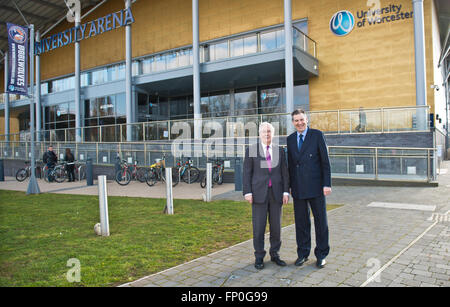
(265, 124)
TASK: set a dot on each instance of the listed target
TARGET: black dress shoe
(321, 263)
(278, 261)
(259, 264)
(300, 261)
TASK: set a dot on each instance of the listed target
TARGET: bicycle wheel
(21, 175)
(191, 175)
(59, 174)
(123, 177)
(220, 177)
(151, 177)
(81, 173)
(175, 177)
(203, 181)
(46, 174)
(141, 174)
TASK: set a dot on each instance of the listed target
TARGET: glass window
(184, 57)
(106, 106)
(220, 104)
(61, 112)
(220, 50)
(237, 47)
(245, 102)
(85, 79)
(280, 39)
(159, 63)
(44, 88)
(134, 68)
(147, 65)
(91, 108)
(172, 60)
(204, 107)
(71, 110)
(99, 76)
(250, 44)
(121, 105)
(270, 99)
(268, 40)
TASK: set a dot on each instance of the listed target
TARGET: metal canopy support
(33, 187)
(38, 92)
(196, 71)
(420, 65)
(6, 98)
(288, 59)
(128, 76)
(77, 85)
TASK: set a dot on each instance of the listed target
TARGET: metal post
(420, 65)
(208, 181)
(103, 205)
(33, 187)
(89, 172)
(169, 195)
(128, 75)
(288, 57)
(77, 83)
(376, 163)
(196, 71)
(6, 61)
(38, 91)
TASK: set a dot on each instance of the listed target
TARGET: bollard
(103, 205)
(2, 171)
(89, 172)
(238, 174)
(208, 181)
(169, 195)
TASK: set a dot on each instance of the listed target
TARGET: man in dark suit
(310, 182)
(266, 188)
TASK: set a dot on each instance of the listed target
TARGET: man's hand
(249, 198)
(326, 191)
(285, 199)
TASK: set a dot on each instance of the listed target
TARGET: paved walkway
(370, 245)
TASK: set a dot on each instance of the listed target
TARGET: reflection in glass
(246, 102)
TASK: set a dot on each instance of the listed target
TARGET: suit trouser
(303, 226)
(259, 217)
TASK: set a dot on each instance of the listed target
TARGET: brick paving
(374, 247)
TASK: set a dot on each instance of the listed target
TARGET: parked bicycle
(57, 173)
(124, 175)
(188, 173)
(24, 173)
(217, 174)
(80, 170)
(157, 173)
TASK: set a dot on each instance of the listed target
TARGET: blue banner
(18, 60)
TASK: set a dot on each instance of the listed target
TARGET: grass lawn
(40, 233)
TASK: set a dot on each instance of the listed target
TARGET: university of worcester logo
(342, 23)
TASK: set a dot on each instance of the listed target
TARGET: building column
(420, 65)
(38, 91)
(128, 76)
(196, 71)
(33, 187)
(7, 125)
(288, 62)
(77, 84)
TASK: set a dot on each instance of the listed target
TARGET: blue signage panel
(17, 82)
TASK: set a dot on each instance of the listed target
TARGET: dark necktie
(300, 142)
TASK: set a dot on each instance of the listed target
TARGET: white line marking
(402, 206)
(397, 256)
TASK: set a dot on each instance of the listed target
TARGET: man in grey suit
(266, 188)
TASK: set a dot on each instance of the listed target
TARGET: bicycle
(24, 173)
(124, 175)
(157, 172)
(217, 174)
(80, 171)
(58, 173)
(188, 173)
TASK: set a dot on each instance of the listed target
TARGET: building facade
(346, 55)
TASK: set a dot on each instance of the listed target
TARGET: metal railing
(380, 120)
(351, 162)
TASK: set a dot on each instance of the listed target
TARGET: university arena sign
(86, 30)
(343, 22)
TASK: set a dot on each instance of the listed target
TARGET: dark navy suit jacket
(309, 169)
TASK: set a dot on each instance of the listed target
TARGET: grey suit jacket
(256, 173)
